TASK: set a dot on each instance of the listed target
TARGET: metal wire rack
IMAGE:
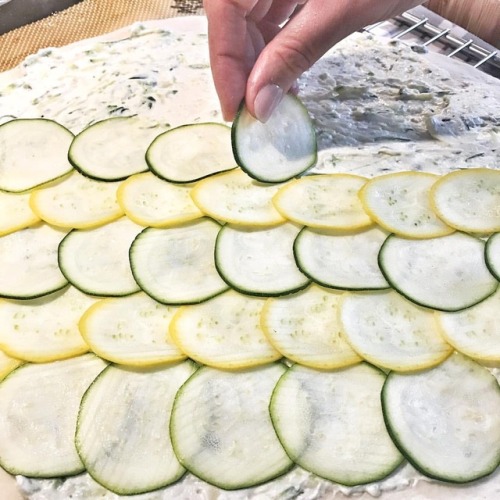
(421, 31)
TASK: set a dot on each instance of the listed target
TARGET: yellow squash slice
(44, 329)
(15, 212)
(224, 332)
(7, 364)
(77, 202)
(305, 329)
(151, 201)
(469, 200)
(237, 198)
(130, 331)
(391, 332)
(400, 203)
(474, 332)
(328, 201)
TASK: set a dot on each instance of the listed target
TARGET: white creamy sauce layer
(377, 107)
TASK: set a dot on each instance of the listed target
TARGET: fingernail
(266, 101)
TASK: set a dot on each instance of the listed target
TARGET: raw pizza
(164, 312)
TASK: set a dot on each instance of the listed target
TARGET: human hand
(252, 57)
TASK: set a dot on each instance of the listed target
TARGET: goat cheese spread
(377, 106)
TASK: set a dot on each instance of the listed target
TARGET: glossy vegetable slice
(122, 434)
(445, 419)
(275, 151)
(28, 263)
(77, 202)
(224, 332)
(130, 331)
(446, 273)
(44, 329)
(259, 261)
(237, 198)
(7, 364)
(176, 265)
(113, 149)
(305, 329)
(39, 406)
(400, 203)
(34, 152)
(15, 212)
(340, 260)
(221, 429)
(475, 331)
(468, 200)
(191, 152)
(335, 427)
(327, 201)
(96, 260)
(392, 332)
(150, 201)
(492, 255)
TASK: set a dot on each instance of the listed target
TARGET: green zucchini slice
(492, 255)
(275, 151)
(445, 420)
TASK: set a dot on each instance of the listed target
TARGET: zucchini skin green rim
(491, 268)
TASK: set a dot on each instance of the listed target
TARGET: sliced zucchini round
(342, 261)
(112, 149)
(259, 261)
(275, 151)
(7, 364)
(39, 407)
(492, 255)
(445, 420)
(305, 329)
(468, 200)
(93, 266)
(446, 273)
(391, 332)
(400, 203)
(77, 202)
(191, 152)
(34, 152)
(331, 423)
(175, 266)
(224, 332)
(221, 429)
(326, 201)
(15, 213)
(122, 434)
(28, 263)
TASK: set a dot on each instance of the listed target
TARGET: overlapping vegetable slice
(445, 420)
(341, 260)
(113, 149)
(475, 331)
(328, 201)
(391, 332)
(138, 402)
(224, 444)
(77, 202)
(304, 328)
(191, 152)
(92, 266)
(400, 203)
(28, 262)
(176, 265)
(492, 254)
(40, 418)
(44, 329)
(132, 331)
(236, 198)
(224, 332)
(446, 273)
(15, 212)
(468, 200)
(259, 261)
(34, 152)
(150, 201)
(334, 427)
(7, 364)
